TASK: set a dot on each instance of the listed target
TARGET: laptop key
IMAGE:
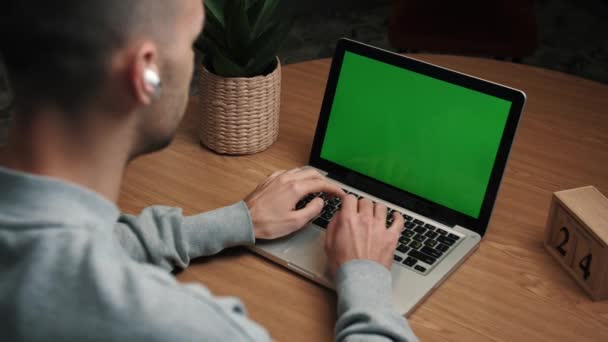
(432, 252)
(335, 200)
(419, 237)
(415, 244)
(418, 222)
(407, 217)
(442, 247)
(404, 240)
(431, 243)
(327, 215)
(420, 268)
(441, 231)
(420, 229)
(397, 258)
(429, 226)
(446, 240)
(408, 233)
(409, 261)
(409, 225)
(403, 248)
(431, 234)
(321, 222)
(454, 236)
(422, 257)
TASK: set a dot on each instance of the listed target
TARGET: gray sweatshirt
(72, 268)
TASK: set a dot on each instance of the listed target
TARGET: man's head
(91, 57)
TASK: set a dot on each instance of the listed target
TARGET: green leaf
(254, 9)
(265, 10)
(226, 68)
(242, 37)
(221, 64)
(238, 34)
(267, 46)
(215, 9)
(215, 33)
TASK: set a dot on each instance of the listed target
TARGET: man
(98, 83)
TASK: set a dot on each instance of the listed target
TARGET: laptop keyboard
(421, 245)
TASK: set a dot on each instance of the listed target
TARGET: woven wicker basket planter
(240, 115)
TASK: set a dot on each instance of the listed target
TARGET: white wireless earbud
(153, 80)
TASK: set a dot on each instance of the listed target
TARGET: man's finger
(330, 234)
(274, 175)
(349, 205)
(305, 173)
(380, 213)
(294, 170)
(366, 207)
(310, 211)
(320, 185)
(397, 225)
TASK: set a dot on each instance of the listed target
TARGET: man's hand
(272, 203)
(358, 231)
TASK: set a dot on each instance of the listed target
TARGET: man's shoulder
(81, 286)
(45, 246)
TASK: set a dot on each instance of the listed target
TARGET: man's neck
(94, 155)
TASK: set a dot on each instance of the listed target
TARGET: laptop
(426, 141)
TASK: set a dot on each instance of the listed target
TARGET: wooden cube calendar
(577, 236)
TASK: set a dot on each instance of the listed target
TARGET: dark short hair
(56, 52)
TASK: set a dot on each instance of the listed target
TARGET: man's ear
(142, 67)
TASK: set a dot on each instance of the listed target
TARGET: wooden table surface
(509, 290)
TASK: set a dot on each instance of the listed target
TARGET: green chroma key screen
(429, 137)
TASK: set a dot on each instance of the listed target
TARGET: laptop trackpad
(306, 249)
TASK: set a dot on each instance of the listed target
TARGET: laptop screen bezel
(404, 198)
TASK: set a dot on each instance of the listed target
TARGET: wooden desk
(509, 290)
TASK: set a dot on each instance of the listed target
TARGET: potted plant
(240, 83)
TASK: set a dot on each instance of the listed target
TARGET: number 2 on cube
(584, 263)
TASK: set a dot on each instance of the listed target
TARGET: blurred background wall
(563, 35)
(568, 36)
